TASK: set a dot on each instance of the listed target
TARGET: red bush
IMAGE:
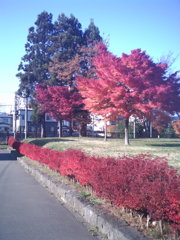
(141, 182)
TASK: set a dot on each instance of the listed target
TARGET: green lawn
(169, 148)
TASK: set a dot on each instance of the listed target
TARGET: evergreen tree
(74, 50)
(67, 38)
(91, 37)
(91, 34)
(33, 68)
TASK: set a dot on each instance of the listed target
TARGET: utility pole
(26, 118)
(134, 128)
(25, 96)
(15, 112)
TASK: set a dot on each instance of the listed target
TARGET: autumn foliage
(143, 183)
(58, 101)
(126, 86)
(130, 85)
(176, 127)
(63, 103)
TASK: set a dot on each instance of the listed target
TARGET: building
(6, 122)
(97, 127)
(33, 128)
(6, 127)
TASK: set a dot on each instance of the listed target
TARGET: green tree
(46, 42)
(168, 132)
(34, 64)
(91, 34)
(67, 37)
(73, 48)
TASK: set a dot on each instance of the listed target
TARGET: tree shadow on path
(169, 145)
(42, 142)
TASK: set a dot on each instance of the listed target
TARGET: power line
(6, 105)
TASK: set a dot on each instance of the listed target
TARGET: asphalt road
(29, 212)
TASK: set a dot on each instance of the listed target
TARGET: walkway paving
(28, 211)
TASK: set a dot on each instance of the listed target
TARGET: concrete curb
(108, 225)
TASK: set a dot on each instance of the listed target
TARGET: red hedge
(142, 182)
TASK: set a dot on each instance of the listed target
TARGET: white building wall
(97, 123)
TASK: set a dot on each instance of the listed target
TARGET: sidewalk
(28, 211)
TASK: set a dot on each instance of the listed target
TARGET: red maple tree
(131, 85)
(60, 102)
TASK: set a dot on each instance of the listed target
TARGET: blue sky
(152, 25)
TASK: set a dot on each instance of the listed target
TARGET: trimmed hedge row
(143, 183)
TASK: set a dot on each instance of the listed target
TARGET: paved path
(28, 211)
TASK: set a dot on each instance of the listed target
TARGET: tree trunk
(70, 128)
(26, 119)
(105, 131)
(161, 227)
(43, 127)
(83, 131)
(42, 130)
(150, 129)
(80, 133)
(134, 128)
(126, 132)
(79, 130)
